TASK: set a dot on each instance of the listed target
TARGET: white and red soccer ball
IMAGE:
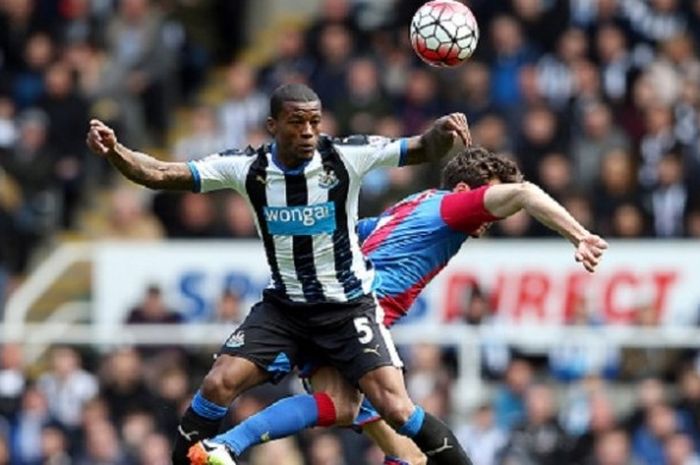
(444, 33)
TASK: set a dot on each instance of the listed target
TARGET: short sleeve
(465, 211)
(365, 153)
(220, 171)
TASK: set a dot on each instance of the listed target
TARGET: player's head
(474, 167)
(294, 121)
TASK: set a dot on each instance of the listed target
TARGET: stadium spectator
(13, 381)
(143, 59)
(204, 137)
(122, 384)
(661, 423)
(128, 218)
(4, 451)
(280, 452)
(539, 438)
(669, 197)
(238, 220)
(244, 108)
(616, 186)
(364, 103)
(66, 110)
(154, 450)
(102, 446)
(153, 309)
(598, 137)
(30, 164)
(482, 439)
(678, 450)
(613, 448)
(601, 423)
(54, 445)
(228, 308)
(33, 413)
(511, 53)
(509, 401)
(326, 449)
(336, 48)
(67, 386)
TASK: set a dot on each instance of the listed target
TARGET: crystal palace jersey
(412, 241)
(307, 216)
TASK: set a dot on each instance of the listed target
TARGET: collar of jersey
(298, 170)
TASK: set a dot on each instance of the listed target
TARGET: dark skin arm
(138, 167)
(444, 135)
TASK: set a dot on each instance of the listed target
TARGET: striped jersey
(412, 241)
(307, 216)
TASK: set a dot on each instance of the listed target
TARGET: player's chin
(306, 150)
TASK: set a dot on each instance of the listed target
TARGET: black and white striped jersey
(306, 216)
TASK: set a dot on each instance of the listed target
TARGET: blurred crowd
(597, 100)
(121, 407)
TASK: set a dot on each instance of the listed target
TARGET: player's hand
(590, 251)
(100, 138)
(454, 127)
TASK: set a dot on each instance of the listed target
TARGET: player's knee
(396, 410)
(220, 387)
(346, 408)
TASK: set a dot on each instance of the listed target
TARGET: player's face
(296, 130)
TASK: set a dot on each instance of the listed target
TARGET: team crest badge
(328, 180)
(236, 339)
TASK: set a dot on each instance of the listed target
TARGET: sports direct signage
(522, 281)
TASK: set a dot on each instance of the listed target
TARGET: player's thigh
(357, 343)
(266, 339)
(230, 376)
(346, 398)
(393, 444)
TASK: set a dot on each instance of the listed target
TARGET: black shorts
(350, 336)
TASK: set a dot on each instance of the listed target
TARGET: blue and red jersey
(411, 242)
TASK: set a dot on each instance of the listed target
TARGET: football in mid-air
(444, 33)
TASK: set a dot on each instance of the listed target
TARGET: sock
(281, 419)
(434, 439)
(200, 421)
(390, 460)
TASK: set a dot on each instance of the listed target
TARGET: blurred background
(115, 297)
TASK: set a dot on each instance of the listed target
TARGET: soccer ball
(444, 33)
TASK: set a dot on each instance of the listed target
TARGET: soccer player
(303, 189)
(409, 244)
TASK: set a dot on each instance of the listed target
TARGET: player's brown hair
(476, 166)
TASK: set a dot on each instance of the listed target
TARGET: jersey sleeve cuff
(403, 151)
(196, 178)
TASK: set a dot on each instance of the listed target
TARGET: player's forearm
(148, 171)
(551, 213)
(428, 147)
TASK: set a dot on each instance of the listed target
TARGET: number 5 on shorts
(363, 329)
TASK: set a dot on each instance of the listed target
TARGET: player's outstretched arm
(503, 200)
(138, 167)
(446, 133)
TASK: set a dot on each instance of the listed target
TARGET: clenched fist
(100, 138)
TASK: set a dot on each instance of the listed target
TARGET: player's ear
(271, 126)
(462, 187)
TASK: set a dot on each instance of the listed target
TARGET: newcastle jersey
(306, 216)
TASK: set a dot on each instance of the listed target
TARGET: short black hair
(476, 166)
(290, 93)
